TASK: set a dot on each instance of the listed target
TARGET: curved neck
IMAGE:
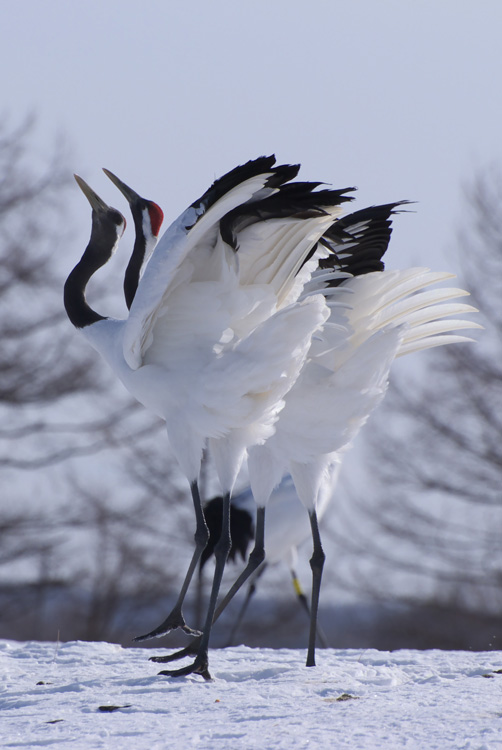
(105, 235)
(76, 305)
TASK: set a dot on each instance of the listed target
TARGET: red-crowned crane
(219, 327)
(374, 318)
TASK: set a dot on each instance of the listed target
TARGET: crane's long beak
(96, 202)
(128, 192)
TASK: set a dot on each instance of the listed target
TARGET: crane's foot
(200, 666)
(310, 660)
(190, 650)
(174, 621)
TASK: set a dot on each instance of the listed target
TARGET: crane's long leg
(317, 564)
(249, 595)
(175, 619)
(256, 558)
(301, 597)
(221, 551)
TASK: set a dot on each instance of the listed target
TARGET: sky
(398, 99)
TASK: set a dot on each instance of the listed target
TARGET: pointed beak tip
(97, 203)
(126, 191)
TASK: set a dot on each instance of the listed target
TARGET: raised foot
(174, 621)
(190, 650)
(200, 666)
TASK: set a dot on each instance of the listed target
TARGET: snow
(99, 695)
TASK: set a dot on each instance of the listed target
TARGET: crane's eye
(117, 218)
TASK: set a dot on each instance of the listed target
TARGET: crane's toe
(190, 650)
(199, 666)
(174, 621)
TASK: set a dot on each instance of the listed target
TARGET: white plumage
(197, 318)
(242, 335)
(217, 333)
(382, 315)
(374, 318)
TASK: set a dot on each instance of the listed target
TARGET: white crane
(374, 318)
(346, 377)
(285, 528)
(219, 327)
(358, 242)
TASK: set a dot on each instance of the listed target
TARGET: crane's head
(148, 216)
(108, 224)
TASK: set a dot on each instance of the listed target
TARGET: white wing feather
(160, 275)
(374, 318)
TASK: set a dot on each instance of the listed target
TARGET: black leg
(250, 593)
(200, 665)
(300, 594)
(176, 619)
(316, 563)
(256, 558)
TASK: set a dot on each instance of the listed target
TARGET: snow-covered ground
(97, 695)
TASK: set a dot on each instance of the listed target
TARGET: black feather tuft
(358, 241)
(235, 177)
(281, 174)
(241, 529)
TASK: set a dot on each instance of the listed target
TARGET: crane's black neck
(107, 228)
(133, 270)
(77, 308)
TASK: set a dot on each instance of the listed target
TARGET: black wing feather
(358, 241)
(252, 168)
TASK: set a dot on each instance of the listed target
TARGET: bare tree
(39, 366)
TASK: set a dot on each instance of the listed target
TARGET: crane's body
(377, 317)
(244, 333)
(201, 317)
(374, 318)
(217, 330)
